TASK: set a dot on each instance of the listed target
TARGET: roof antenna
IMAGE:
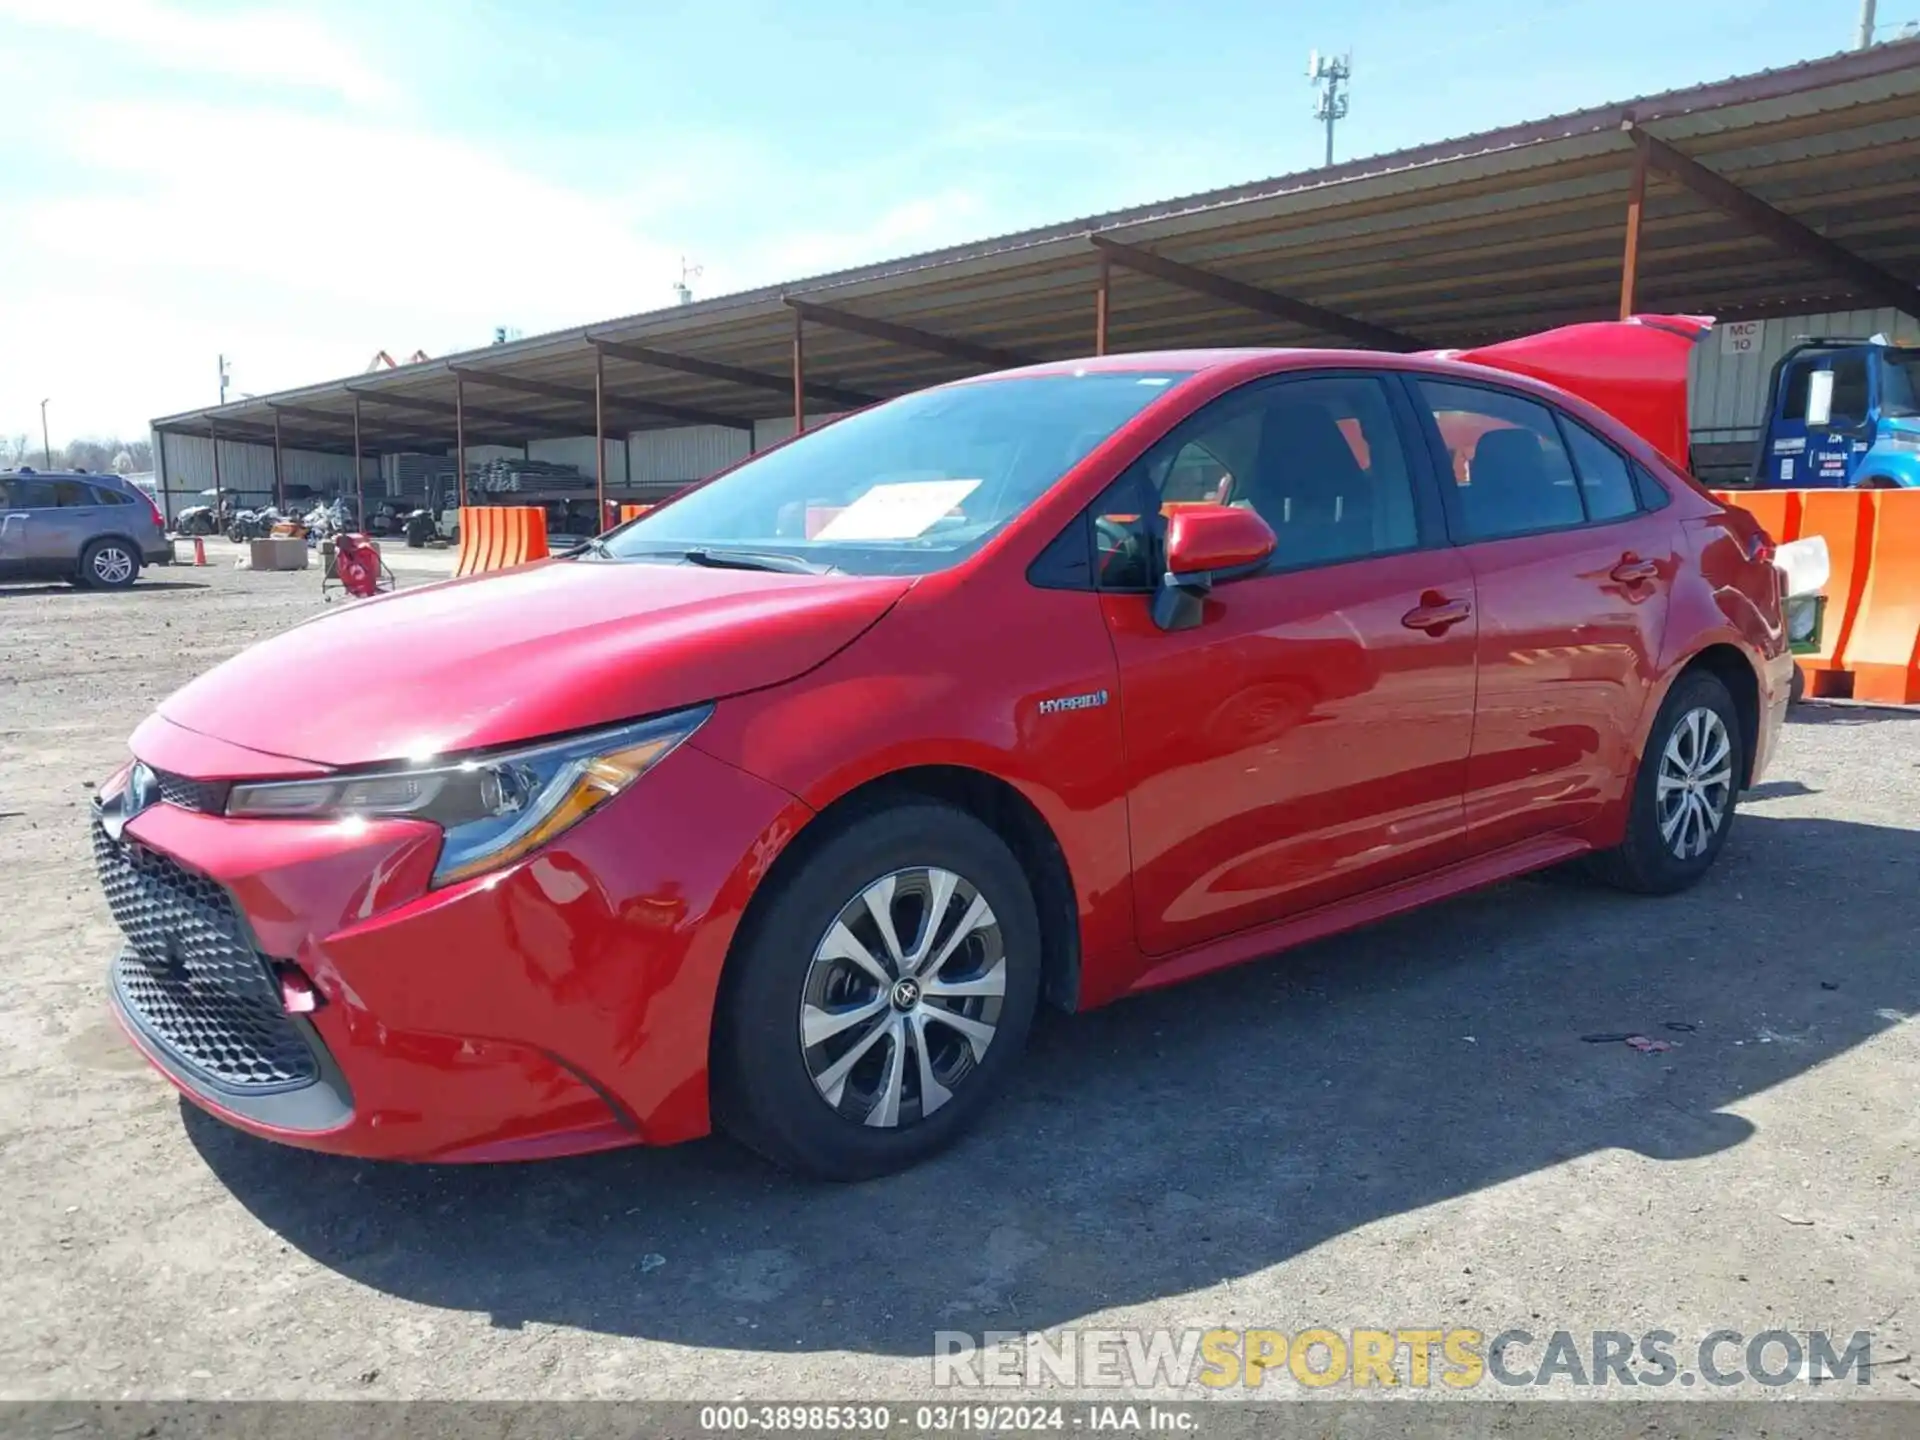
(683, 287)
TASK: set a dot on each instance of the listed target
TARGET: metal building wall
(577, 451)
(246, 469)
(1729, 388)
(772, 432)
(685, 453)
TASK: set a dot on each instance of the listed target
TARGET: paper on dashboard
(900, 511)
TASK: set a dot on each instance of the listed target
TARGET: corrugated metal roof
(1453, 243)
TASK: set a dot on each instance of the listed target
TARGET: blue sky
(299, 185)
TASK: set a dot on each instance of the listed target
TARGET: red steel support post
(1636, 201)
(1101, 301)
(460, 437)
(600, 439)
(799, 374)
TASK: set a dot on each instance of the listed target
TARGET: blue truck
(1844, 413)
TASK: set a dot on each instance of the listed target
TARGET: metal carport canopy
(1784, 191)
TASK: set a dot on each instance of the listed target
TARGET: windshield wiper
(754, 560)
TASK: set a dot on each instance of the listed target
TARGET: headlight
(496, 807)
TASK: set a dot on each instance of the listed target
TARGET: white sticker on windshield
(897, 512)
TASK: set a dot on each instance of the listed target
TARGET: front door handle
(1632, 570)
(1436, 613)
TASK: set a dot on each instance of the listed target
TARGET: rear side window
(104, 496)
(1511, 473)
(1606, 485)
(1653, 495)
(72, 494)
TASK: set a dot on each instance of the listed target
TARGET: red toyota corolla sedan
(783, 807)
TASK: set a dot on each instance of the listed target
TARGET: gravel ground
(1397, 1128)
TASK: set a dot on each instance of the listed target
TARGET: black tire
(1646, 862)
(109, 564)
(765, 1094)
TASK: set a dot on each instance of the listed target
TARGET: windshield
(1902, 383)
(906, 488)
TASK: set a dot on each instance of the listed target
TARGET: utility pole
(1330, 72)
(46, 444)
(223, 379)
(1866, 24)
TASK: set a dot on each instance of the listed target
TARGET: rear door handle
(1632, 570)
(1436, 613)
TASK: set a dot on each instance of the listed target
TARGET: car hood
(540, 650)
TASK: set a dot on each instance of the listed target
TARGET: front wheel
(1684, 793)
(881, 996)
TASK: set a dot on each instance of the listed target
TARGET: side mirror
(1207, 545)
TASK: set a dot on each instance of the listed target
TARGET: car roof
(27, 472)
(1251, 360)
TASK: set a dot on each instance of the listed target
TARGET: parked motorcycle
(421, 529)
(253, 524)
(196, 520)
(328, 518)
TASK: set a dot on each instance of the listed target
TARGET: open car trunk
(1634, 369)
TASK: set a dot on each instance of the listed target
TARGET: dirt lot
(1398, 1128)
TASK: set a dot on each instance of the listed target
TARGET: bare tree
(94, 455)
(15, 449)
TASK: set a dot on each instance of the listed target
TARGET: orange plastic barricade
(476, 527)
(632, 512)
(493, 537)
(1778, 511)
(1884, 650)
(1844, 519)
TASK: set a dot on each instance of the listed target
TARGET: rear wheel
(1684, 793)
(882, 996)
(109, 565)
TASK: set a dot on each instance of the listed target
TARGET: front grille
(189, 977)
(209, 796)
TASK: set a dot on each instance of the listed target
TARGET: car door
(1308, 739)
(64, 523)
(1821, 428)
(14, 520)
(37, 526)
(1572, 575)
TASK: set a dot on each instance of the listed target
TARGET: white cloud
(156, 232)
(263, 46)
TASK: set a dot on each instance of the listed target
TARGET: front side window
(1319, 460)
(1849, 390)
(27, 494)
(906, 488)
(1511, 473)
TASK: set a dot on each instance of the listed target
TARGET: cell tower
(1330, 73)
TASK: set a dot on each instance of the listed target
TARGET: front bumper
(557, 1006)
